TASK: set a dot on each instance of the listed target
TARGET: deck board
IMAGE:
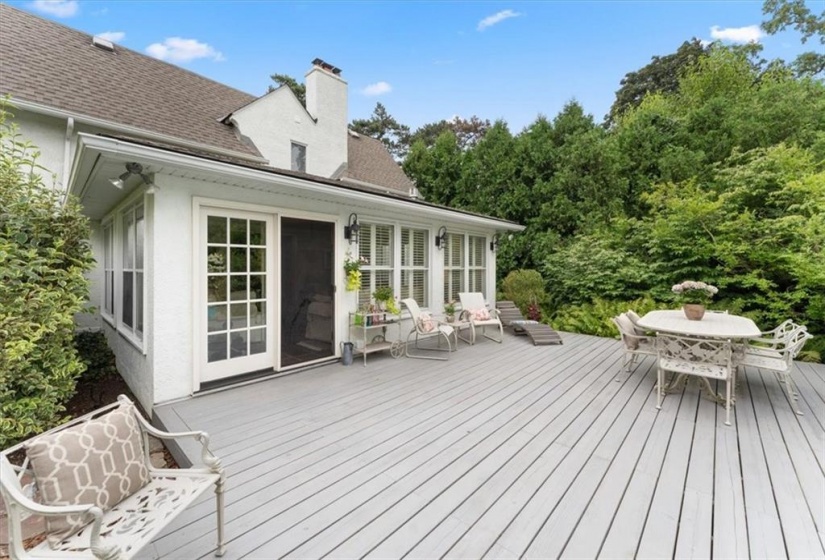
(504, 451)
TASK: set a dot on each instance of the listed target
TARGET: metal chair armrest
(209, 459)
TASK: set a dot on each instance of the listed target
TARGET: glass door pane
(236, 275)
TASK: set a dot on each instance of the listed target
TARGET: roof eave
(114, 147)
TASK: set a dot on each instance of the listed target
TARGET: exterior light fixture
(352, 228)
(441, 238)
(494, 243)
(132, 168)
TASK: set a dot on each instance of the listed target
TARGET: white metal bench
(122, 530)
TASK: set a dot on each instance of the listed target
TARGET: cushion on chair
(480, 314)
(425, 323)
(634, 318)
(100, 462)
(626, 326)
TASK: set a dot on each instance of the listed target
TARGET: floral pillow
(426, 323)
(480, 314)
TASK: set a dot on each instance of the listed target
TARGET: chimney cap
(326, 66)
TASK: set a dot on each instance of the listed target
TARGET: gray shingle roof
(47, 63)
(370, 162)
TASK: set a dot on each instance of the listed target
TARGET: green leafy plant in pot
(449, 311)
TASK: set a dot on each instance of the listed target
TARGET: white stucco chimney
(326, 101)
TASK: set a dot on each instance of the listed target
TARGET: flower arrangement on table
(352, 266)
(694, 292)
(449, 311)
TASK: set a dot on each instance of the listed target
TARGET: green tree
(299, 89)
(794, 13)
(44, 254)
(383, 126)
(661, 75)
(468, 132)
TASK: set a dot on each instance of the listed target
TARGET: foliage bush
(524, 287)
(44, 253)
(93, 350)
(594, 318)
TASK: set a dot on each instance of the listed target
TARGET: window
(415, 269)
(375, 243)
(477, 269)
(108, 270)
(464, 273)
(131, 318)
(299, 157)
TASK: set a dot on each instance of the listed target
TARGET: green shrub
(93, 350)
(524, 287)
(44, 253)
(594, 318)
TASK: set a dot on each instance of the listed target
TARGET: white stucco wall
(47, 134)
(277, 119)
(172, 279)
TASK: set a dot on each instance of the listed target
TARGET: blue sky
(425, 60)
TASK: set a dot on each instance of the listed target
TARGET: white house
(219, 218)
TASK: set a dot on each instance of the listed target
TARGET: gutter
(120, 148)
(67, 150)
(132, 130)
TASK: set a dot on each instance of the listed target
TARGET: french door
(236, 276)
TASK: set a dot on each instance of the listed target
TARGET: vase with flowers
(352, 266)
(449, 311)
(694, 296)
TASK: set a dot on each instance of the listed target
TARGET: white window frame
(137, 270)
(475, 267)
(407, 285)
(368, 277)
(448, 287)
(468, 265)
(114, 224)
(292, 161)
(108, 306)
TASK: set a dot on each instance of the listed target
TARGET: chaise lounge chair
(539, 333)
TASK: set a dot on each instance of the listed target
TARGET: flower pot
(694, 311)
(450, 318)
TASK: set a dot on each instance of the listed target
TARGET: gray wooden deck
(508, 450)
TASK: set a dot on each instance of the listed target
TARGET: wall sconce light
(132, 168)
(494, 243)
(352, 228)
(441, 238)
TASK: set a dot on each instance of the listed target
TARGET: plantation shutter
(415, 265)
(453, 266)
(477, 264)
(375, 245)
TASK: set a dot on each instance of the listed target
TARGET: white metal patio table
(712, 325)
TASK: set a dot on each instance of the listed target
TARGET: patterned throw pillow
(99, 462)
(426, 323)
(480, 314)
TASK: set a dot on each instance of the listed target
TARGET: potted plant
(449, 311)
(352, 266)
(694, 296)
(385, 299)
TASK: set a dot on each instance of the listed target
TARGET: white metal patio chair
(475, 311)
(703, 357)
(94, 483)
(635, 344)
(426, 327)
(777, 354)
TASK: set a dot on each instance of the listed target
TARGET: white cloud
(747, 34)
(113, 36)
(490, 21)
(378, 88)
(59, 8)
(177, 49)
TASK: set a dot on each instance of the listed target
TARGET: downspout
(67, 152)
